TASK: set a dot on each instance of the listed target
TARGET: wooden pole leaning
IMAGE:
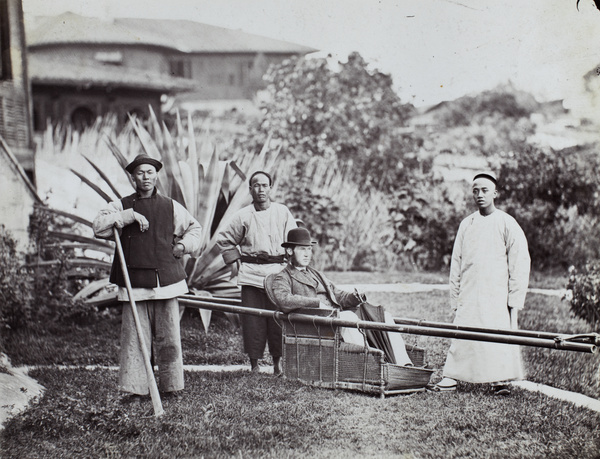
(154, 395)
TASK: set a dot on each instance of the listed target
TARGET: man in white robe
(489, 275)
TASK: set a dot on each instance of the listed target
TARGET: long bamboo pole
(556, 343)
(589, 338)
(154, 395)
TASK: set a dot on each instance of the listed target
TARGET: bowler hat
(143, 159)
(298, 236)
(488, 175)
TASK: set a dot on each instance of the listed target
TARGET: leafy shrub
(353, 226)
(554, 196)
(15, 284)
(425, 221)
(55, 279)
(350, 114)
(583, 290)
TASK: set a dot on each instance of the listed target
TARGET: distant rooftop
(52, 70)
(183, 36)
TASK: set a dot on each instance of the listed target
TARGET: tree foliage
(555, 197)
(350, 115)
(15, 292)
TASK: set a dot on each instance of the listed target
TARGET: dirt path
(17, 390)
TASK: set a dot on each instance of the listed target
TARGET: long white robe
(489, 274)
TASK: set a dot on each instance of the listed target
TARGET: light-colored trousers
(159, 320)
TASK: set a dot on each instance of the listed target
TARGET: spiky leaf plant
(210, 188)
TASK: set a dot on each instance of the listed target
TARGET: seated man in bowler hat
(155, 232)
(300, 286)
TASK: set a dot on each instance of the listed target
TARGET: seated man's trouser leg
(257, 331)
(158, 319)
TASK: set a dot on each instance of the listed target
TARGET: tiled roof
(45, 69)
(184, 36)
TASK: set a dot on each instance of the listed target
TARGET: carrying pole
(558, 342)
(591, 338)
(588, 338)
(154, 395)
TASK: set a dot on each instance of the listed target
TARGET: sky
(435, 50)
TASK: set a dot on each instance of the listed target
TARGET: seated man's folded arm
(285, 300)
(347, 300)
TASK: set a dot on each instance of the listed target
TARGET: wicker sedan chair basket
(315, 354)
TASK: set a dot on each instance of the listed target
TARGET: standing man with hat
(252, 240)
(489, 275)
(155, 233)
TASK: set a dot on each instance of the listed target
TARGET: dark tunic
(149, 253)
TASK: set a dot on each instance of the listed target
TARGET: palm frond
(193, 160)
(109, 250)
(93, 186)
(209, 191)
(69, 215)
(120, 158)
(92, 288)
(79, 238)
(104, 177)
(154, 124)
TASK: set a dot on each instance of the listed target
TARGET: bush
(554, 196)
(15, 284)
(54, 277)
(426, 219)
(583, 290)
(38, 287)
(353, 227)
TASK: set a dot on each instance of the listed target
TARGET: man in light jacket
(252, 241)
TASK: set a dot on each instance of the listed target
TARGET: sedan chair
(316, 354)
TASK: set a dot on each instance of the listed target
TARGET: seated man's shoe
(445, 385)
(254, 368)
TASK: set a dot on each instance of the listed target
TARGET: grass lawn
(245, 415)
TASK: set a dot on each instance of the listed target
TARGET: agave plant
(211, 189)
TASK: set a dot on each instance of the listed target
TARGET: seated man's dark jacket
(292, 290)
